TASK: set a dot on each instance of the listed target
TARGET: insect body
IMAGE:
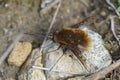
(74, 39)
(72, 36)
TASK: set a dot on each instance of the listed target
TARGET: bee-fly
(74, 39)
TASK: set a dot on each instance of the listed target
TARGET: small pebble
(9, 79)
(20, 53)
(103, 13)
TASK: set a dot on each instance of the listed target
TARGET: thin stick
(7, 52)
(49, 32)
(109, 3)
(113, 29)
(102, 73)
(44, 10)
(41, 68)
(85, 3)
(50, 27)
(57, 71)
(103, 21)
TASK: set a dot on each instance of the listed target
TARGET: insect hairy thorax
(73, 36)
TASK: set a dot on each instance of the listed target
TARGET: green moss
(117, 21)
(118, 76)
(4, 1)
(117, 4)
(32, 4)
(1, 30)
(15, 15)
(118, 9)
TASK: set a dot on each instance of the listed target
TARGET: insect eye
(51, 36)
(69, 35)
(79, 40)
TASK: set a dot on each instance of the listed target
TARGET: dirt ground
(25, 15)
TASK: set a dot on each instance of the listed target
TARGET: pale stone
(20, 53)
(29, 73)
(9, 79)
(64, 64)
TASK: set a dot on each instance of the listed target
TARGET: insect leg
(56, 62)
(77, 53)
(55, 49)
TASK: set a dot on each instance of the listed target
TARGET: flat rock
(20, 53)
(63, 64)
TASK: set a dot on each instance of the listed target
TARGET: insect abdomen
(72, 36)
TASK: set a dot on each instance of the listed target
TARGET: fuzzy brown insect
(74, 39)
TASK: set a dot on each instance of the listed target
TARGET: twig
(57, 71)
(41, 68)
(85, 3)
(7, 52)
(50, 27)
(109, 3)
(103, 21)
(113, 29)
(44, 10)
(102, 73)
